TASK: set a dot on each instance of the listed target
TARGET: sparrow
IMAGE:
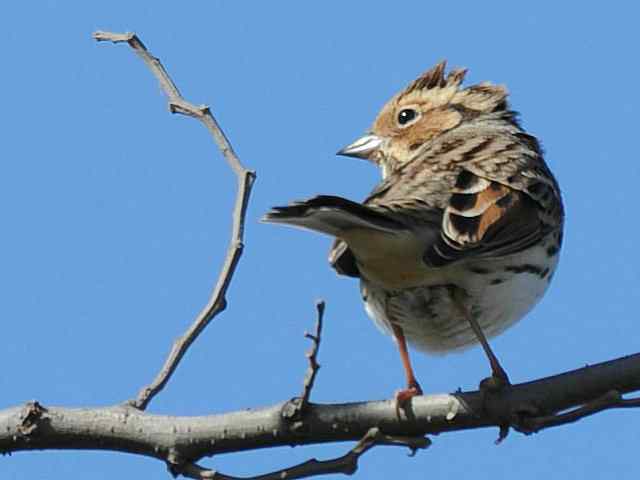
(461, 237)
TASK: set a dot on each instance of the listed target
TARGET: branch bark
(124, 428)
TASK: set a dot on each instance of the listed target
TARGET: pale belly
(497, 293)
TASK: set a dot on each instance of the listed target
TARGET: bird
(461, 237)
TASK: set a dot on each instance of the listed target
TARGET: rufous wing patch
(484, 216)
(471, 213)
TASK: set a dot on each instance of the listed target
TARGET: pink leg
(413, 387)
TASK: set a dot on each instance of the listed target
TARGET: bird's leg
(413, 387)
(498, 374)
(496, 369)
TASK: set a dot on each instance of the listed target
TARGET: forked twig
(347, 464)
(217, 301)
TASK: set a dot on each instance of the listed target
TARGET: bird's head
(430, 106)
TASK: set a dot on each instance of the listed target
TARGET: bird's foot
(496, 382)
(403, 397)
(489, 387)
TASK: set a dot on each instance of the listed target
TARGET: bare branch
(182, 439)
(217, 301)
(346, 464)
(298, 405)
(611, 399)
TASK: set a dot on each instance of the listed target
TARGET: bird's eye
(406, 115)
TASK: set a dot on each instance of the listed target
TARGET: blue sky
(115, 214)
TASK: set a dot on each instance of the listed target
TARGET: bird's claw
(403, 397)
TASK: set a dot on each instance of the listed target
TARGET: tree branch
(347, 464)
(217, 301)
(611, 399)
(188, 439)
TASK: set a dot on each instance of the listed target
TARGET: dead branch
(611, 399)
(217, 301)
(346, 464)
(188, 439)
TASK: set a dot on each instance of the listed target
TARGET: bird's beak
(362, 147)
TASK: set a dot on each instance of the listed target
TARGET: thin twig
(296, 406)
(217, 301)
(312, 355)
(347, 464)
(611, 399)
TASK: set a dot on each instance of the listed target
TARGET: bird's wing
(333, 216)
(493, 213)
(343, 260)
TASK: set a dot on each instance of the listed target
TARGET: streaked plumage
(465, 227)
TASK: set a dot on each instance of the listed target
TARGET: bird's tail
(332, 216)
